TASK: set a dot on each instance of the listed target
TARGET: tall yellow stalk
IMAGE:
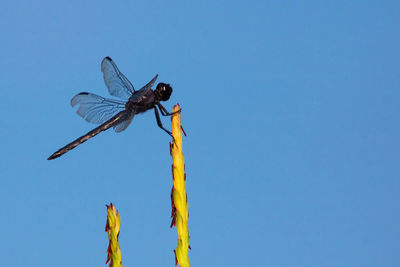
(180, 211)
(112, 228)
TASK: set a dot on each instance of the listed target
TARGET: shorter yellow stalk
(180, 211)
(112, 228)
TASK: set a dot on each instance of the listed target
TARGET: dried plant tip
(179, 203)
(113, 225)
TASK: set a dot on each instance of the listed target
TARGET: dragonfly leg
(159, 123)
(165, 112)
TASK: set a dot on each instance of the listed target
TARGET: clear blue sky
(291, 109)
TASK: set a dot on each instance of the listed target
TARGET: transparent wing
(126, 119)
(143, 90)
(151, 83)
(96, 109)
(118, 85)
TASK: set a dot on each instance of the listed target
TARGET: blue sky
(292, 114)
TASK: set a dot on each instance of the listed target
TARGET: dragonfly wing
(135, 97)
(96, 109)
(118, 85)
(126, 119)
(151, 83)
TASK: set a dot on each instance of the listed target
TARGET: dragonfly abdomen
(108, 124)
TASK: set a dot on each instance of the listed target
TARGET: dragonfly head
(163, 91)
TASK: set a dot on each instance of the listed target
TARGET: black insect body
(114, 113)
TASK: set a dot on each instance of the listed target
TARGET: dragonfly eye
(164, 90)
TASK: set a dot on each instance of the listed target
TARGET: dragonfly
(116, 113)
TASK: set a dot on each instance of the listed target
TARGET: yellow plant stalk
(112, 228)
(180, 212)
